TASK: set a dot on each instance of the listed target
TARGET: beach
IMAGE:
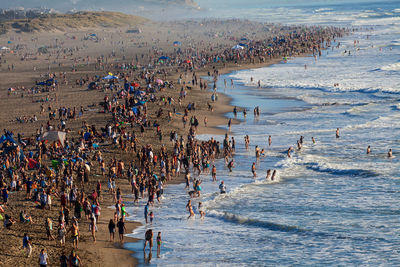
(82, 102)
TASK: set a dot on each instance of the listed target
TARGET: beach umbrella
(54, 136)
(159, 81)
(237, 47)
(187, 61)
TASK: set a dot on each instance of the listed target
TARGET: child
(151, 216)
(158, 244)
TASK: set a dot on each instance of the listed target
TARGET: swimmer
(337, 133)
(268, 174)
(368, 149)
(390, 153)
(313, 140)
(269, 140)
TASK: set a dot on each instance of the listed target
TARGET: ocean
(331, 204)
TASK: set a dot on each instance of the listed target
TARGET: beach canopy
(4, 48)
(237, 47)
(54, 136)
(110, 77)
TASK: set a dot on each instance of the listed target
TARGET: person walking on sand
(27, 245)
(148, 239)
(111, 229)
(121, 230)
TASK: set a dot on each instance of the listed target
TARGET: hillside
(80, 20)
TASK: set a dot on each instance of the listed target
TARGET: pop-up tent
(54, 136)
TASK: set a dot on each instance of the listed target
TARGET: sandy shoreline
(81, 63)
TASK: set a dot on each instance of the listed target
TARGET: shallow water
(332, 203)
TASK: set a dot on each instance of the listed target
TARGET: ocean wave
(391, 67)
(323, 168)
(237, 219)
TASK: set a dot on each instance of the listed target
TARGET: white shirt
(43, 258)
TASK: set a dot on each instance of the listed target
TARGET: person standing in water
(214, 173)
(253, 170)
(269, 140)
(148, 239)
(390, 154)
(201, 211)
(288, 152)
(268, 174)
(222, 188)
(190, 209)
(368, 149)
(159, 244)
(337, 133)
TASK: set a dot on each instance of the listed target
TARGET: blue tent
(244, 45)
(110, 77)
(163, 58)
(7, 137)
(176, 43)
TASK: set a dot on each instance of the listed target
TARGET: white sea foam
(391, 67)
